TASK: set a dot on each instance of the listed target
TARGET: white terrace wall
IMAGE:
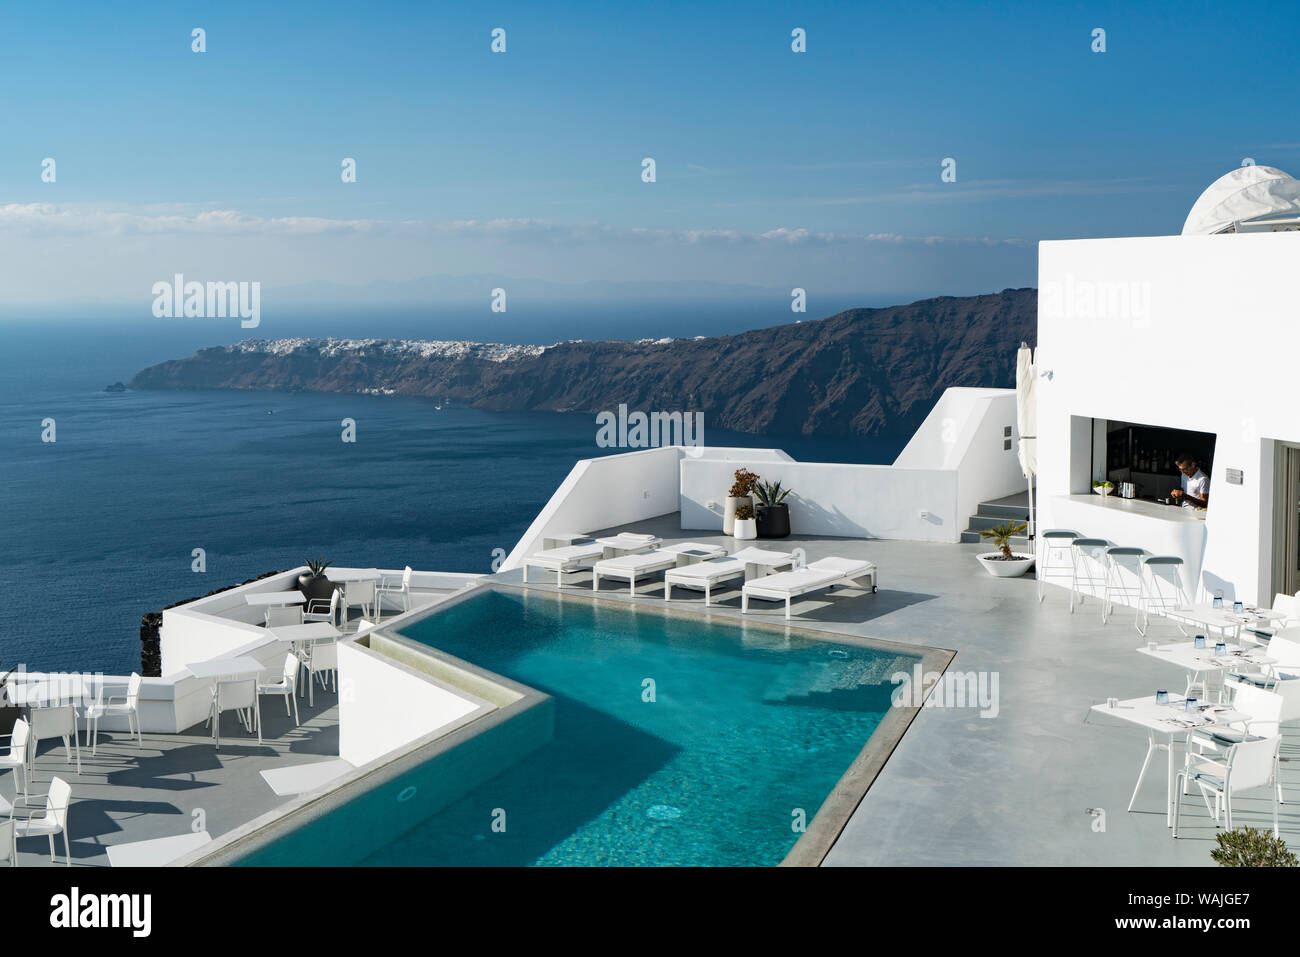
(1208, 343)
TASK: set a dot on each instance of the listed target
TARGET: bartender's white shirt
(1197, 485)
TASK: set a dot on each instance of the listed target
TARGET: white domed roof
(1244, 194)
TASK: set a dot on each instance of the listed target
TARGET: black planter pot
(8, 715)
(315, 588)
(773, 520)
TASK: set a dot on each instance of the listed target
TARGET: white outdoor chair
(1249, 764)
(359, 595)
(8, 842)
(1054, 557)
(321, 661)
(1088, 559)
(1124, 581)
(1164, 586)
(277, 616)
(320, 609)
(53, 821)
(57, 722)
(17, 758)
(400, 589)
(239, 695)
(286, 686)
(117, 706)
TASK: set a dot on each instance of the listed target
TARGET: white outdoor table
(241, 666)
(1203, 661)
(621, 543)
(1205, 615)
(1165, 719)
(55, 692)
(762, 560)
(312, 631)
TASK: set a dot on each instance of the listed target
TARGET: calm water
(746, 726)
(99, 526)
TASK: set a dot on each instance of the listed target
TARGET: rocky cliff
(862, 372)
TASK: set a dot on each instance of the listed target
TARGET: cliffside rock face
(862, 372)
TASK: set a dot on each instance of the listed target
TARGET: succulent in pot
(746, 527)
(740, 493)
(772, 513)
(313, 583)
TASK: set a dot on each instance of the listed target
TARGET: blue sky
(819, 169)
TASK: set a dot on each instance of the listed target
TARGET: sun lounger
(629, 542)
(631, 567)
(567, 559)
(785, 586)
(705, 575)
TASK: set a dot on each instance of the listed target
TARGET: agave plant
(771, 493)
(1001, 535)
(317, 566)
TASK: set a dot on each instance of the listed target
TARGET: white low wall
(385, 706)
(846, 501)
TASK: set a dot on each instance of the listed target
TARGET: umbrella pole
(1031, 508)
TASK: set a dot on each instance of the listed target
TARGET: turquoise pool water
(744, 727)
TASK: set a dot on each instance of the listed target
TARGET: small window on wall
(1006, 445)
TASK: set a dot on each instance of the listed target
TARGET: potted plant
(312, 583)
(741, 493)
(1004, 563)
(771, 513)
(1247, 847)
(746, 527)
(1103, 488)
(9, 713)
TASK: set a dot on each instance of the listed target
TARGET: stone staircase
(989, 514)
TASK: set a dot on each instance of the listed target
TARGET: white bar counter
(1160, 529)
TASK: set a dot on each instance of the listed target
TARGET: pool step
(801, 681)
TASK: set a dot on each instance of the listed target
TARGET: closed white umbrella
(1027, 420)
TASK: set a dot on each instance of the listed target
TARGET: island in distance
(869, 372)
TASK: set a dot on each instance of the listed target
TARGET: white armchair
(27, 823)
(286, 686)
(17, 758)
(1250, 764)
(321, 609)
(391, 586)
(57, 722)
(127, 706)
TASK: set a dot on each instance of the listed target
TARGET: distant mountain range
(870, 372)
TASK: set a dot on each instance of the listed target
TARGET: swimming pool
(677, 740)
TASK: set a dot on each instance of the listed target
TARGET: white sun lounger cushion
(567, 555)
(694, 550)
(710, 571)
(819, 574)
(641, 563)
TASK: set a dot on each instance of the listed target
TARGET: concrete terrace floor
(125, 794)
(1013, 789)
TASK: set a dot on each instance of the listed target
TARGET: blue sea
(100, 525)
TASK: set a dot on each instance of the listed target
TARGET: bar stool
(1124, 581)
(1055, 544)
(1164, 585)
(1088, 563)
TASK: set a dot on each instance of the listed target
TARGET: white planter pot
(746, 529)
(1000, 569)
(729, 512)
